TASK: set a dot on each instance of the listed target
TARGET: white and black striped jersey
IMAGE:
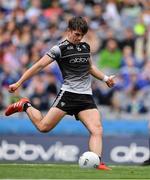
(73, 61)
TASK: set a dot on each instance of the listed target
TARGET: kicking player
(75, 97)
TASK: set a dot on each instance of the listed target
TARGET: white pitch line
(28, 164)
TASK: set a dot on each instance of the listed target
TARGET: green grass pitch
(70, 171)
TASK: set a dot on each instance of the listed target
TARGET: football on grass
(89, 160)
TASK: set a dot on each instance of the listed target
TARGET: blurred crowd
(119, 36)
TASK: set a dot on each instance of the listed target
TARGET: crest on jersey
(78, 48)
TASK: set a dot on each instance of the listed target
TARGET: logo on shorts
(62, 104)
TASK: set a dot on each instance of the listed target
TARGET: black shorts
(73, 103)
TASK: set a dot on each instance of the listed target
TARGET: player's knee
(44, 128)
(97, 130)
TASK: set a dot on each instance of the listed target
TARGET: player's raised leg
(43, 124)
(49, 121)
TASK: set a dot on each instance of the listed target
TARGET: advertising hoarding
(47, 149)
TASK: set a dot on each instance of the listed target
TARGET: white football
(89, 160)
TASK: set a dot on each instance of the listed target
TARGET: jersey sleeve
(54, 53)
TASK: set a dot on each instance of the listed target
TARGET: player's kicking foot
(103, 166)
(16, 107)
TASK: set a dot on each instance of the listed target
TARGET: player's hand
(110, 82)
(13, 87)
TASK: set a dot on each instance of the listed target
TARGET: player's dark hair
(78, 23)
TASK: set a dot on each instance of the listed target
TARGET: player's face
(75, 36)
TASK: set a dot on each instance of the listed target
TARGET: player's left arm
(94, 71)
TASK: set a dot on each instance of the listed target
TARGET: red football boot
(103, 166)
(16, 107)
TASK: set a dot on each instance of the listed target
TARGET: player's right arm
(42, 63)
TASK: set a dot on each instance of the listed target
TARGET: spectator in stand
(39, 96)
(53, 11)
(144, 78)
(8, 75)
(34, 10)
(1, 102)
(136, 101)
(97, 17)
(128, 39)
(102, 95)
(78, 9)
(110, 57)
(128, 53)
(109, 34)
(111, 15)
